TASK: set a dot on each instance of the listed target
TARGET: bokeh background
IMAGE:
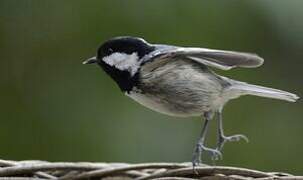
(54, 108)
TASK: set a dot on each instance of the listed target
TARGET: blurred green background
(54, 108)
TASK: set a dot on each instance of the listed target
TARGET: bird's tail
(243, 88)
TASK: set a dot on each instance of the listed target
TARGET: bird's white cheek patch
(123, 61)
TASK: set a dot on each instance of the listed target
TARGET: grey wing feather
(215, 58)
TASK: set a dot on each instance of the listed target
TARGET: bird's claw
(223, 139)
(235, 138)
(215, 154)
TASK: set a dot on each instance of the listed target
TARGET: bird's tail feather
(250, 89)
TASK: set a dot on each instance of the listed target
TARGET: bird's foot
(223, 139)
(215, 154)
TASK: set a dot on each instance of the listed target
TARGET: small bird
(178, 81)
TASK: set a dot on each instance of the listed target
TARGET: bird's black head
(127, 45)
(119, 58)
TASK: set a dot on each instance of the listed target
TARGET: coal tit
(178, 81)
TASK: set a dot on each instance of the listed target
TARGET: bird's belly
(158, 104)
(182, 105)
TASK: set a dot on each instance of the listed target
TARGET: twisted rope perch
(41, 170)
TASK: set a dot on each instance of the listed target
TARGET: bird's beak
(92, 60)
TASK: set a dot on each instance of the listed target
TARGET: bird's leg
(222, 139)
(200, 147)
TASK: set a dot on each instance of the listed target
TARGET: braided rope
(41, 170)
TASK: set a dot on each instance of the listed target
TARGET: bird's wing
(224, 60)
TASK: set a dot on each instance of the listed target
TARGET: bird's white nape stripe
(123, 61)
